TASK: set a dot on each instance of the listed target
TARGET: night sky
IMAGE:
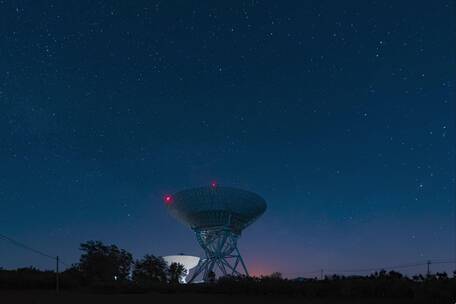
(341, 114)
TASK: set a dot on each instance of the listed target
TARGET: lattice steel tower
(217, 215)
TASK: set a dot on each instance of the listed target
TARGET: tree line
(108, 268)
(99, 266)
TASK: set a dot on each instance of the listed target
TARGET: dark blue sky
(341, 114)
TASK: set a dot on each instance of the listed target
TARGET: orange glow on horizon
(258, 270)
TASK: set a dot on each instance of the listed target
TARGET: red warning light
(213, 184)
(168, 199)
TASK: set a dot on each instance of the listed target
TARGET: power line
(443, 262)
(319, 271)
(305, 272)
(26, 247)
(29, 248)
(401, 266)
(39, 252)
(380, 268)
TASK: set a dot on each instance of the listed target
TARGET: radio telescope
(189, 262)
(217, 215)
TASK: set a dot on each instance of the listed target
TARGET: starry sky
(341, 114)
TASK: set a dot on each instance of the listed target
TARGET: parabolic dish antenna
(217, 215)
(189, 262)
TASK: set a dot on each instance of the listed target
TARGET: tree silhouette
(103, 263)
(175, 272)
(149, 270)
(275, 276)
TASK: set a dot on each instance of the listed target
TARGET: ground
(47, 297)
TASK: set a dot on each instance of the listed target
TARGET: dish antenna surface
(189, 262)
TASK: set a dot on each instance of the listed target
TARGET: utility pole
(57, 287)
(429, 268)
